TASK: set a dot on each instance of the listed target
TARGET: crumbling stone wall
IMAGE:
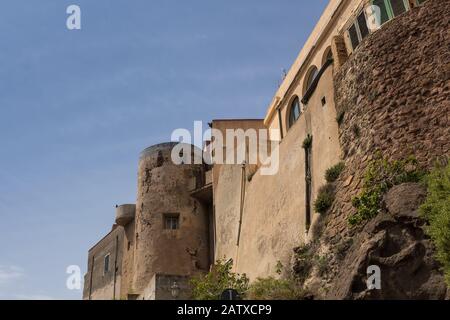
(164, 188)
(394, 94)
(394, 89)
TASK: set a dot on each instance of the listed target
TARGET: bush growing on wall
(381, 175)
(436, 210)
(333, 173)
(325, 199)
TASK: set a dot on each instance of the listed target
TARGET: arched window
(312, 74)
(328, 55)
(294, 111)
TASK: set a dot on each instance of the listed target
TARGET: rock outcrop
(394, 241)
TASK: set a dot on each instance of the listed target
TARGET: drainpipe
(242, 202)
(115, 267)
(280, 123)
(90, 277)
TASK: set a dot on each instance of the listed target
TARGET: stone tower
(171, 235)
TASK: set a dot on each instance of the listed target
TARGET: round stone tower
(171, 235)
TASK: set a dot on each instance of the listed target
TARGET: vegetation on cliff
(333, 173)
(326, 194)
(436, 210)
(381, 175)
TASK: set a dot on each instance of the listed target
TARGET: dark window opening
(324, 101)
(353, 36)
(362, 23)
(106, 264)
(129, 245)
(330, 55)
(294, 112)
(171, 221)
(398, 7)
(311, 77)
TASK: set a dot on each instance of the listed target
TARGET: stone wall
(394, 91)
(164, 189)
(273, 220)
(100, 285)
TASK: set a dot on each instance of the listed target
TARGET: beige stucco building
(189, 215)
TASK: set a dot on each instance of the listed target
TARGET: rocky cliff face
(393, 93)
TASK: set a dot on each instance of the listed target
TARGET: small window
(311, 76)
(362, 24)
(324, 101)
(171, 221)
(398, 7)
(384, 16)
(106, 264)
(353, 36)
(294, 112)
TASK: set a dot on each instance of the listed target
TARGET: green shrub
(322, 263)
(436, 210)
(325, 199)
(303, 262)
(333, 173)
(220, 278)
(275, 289)
(380, 176)
(307, 142)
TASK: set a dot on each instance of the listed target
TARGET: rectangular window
(353, 36)
(362, 24)
(171, 221)
(398, 7)
(106, 264)
(384, 16)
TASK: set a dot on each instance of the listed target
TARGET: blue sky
(77, 107)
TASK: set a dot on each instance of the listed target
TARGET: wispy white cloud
(10, 277)
(10, 274)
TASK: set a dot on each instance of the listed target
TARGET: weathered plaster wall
(332, 22)
(274, 211)
(164, 188)
(100, 285)
(160, 288)
(126, 286)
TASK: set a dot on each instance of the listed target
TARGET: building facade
(189, 215)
